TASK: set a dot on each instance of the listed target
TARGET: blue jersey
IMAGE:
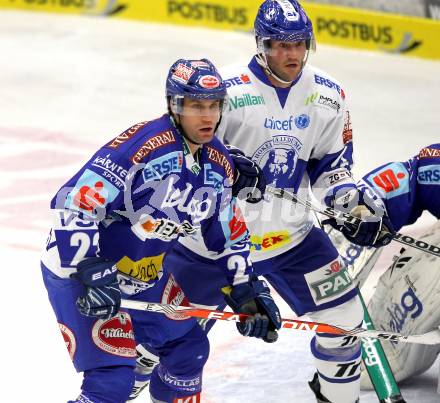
(137, 195)
(408, 188)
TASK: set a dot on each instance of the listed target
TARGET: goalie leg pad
(338, 358)
(406, 301)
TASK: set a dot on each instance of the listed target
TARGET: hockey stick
(374, 358)
(430, 338)
(377, 365)
(339, 215)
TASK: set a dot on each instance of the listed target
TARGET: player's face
(199, 119)
(286, 58)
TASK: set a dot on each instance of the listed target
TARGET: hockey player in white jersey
(291, 119)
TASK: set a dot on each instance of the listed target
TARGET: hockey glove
(253, 298)
(375, 229)
(103, 297)
(249, 183)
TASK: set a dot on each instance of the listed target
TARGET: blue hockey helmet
(283, 20)
(196, 79)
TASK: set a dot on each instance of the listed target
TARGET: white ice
(68, 85)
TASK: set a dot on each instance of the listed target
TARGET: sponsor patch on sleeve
(391, 181)
(91, 193)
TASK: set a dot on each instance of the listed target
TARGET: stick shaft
(332, 213)
(294, 324)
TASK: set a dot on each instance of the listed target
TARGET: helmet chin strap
(262, 61)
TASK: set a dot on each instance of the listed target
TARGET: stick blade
(431, 338)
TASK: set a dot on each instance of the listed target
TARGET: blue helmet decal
(195, 79)
(283, 20)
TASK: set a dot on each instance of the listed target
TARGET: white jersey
(300, 137)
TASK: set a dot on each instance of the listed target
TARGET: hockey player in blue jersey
(406, 297)
(408, 188)
(292, 119)
(114, 222)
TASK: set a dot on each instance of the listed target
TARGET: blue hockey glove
(249, 183)
(253, 298)
(103, 297)
(375, 229)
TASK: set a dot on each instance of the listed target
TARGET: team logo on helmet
(183, 73)
(209, 82)
(288, 10)
(270, 14)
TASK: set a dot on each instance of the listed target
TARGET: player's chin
(291, 71)
(205, 134)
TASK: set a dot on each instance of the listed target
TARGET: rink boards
(336, 25)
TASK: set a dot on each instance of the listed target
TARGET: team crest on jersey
(278, 158)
